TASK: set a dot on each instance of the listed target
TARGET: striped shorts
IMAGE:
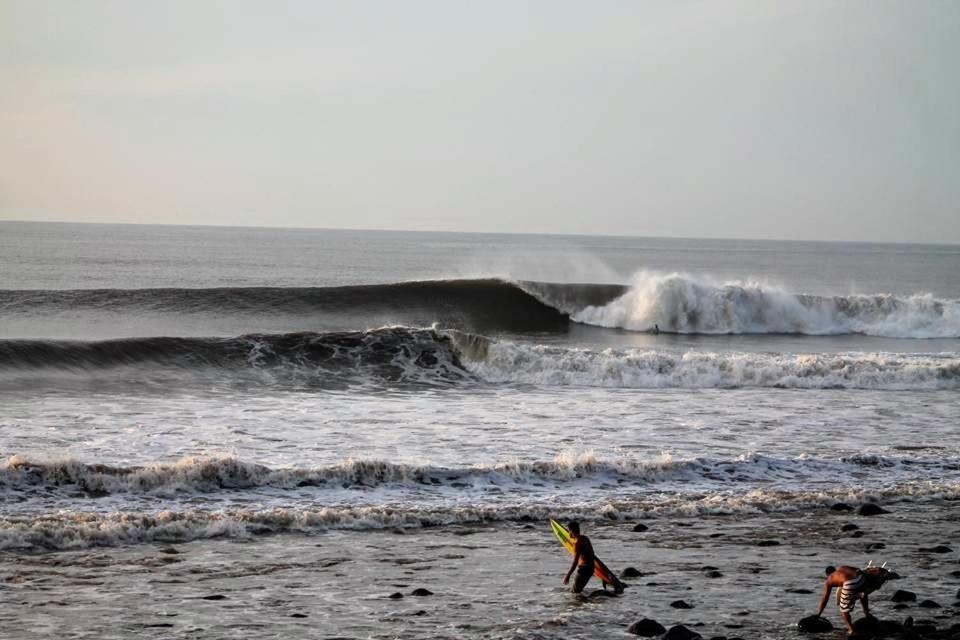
(849, 593)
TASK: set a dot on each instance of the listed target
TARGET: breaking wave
(228, 473)
(79, 530)
(404, 355)
(685, 304)
(515, 362)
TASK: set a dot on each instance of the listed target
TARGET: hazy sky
(806, 120)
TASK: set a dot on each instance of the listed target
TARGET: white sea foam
(684, 303)
(78, 530)
(515, 362)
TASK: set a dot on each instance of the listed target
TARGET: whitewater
(321, 416)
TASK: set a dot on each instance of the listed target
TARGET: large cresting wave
(682, 303)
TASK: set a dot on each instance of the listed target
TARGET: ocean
(219, 432)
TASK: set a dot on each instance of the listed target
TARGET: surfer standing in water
(584, 561)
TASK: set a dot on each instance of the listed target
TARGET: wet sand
(501, 581)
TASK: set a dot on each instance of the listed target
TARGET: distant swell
(686, 304)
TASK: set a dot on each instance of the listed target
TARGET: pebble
(814, 624)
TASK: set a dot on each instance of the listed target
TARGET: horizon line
(502, 233)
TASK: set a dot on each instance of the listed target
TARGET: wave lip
(682, 303)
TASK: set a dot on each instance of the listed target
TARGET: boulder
(841, 506)
(631, 572)
(646, 628)
(929, 604)
(680, 604)
(901, 595)
(713, 574)
(680, 632)
(640, 527)
(421, 592)
(871, 509)
(395, 596)
(814, 624)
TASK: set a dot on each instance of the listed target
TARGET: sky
(746, 119)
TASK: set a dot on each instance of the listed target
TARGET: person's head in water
(574, 527)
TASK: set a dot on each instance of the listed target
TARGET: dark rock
(849, 527)
(421, 592)
(958, 594)
(395, 596)
(216, 596)
(841, 506)
(713, 574)
(680, 632)
(901, 595)
(875, 627)
(421, 612)
(640, 527)
(871, 509)
(901, 605)
(955, 574)
(631, 572)
(708, 567)
(715, 535)
(814, 624)
(940, 548)
(856, 534)
(646, 628)
(298, 615)
(680, 604)
(768, 543)
(929, 604)
(805, 591)
(170, 550)
(158, 625)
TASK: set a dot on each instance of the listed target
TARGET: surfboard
(600, 570)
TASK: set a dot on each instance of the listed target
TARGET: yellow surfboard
(600, 570)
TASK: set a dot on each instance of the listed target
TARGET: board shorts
(584, 573)
(850, 592)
